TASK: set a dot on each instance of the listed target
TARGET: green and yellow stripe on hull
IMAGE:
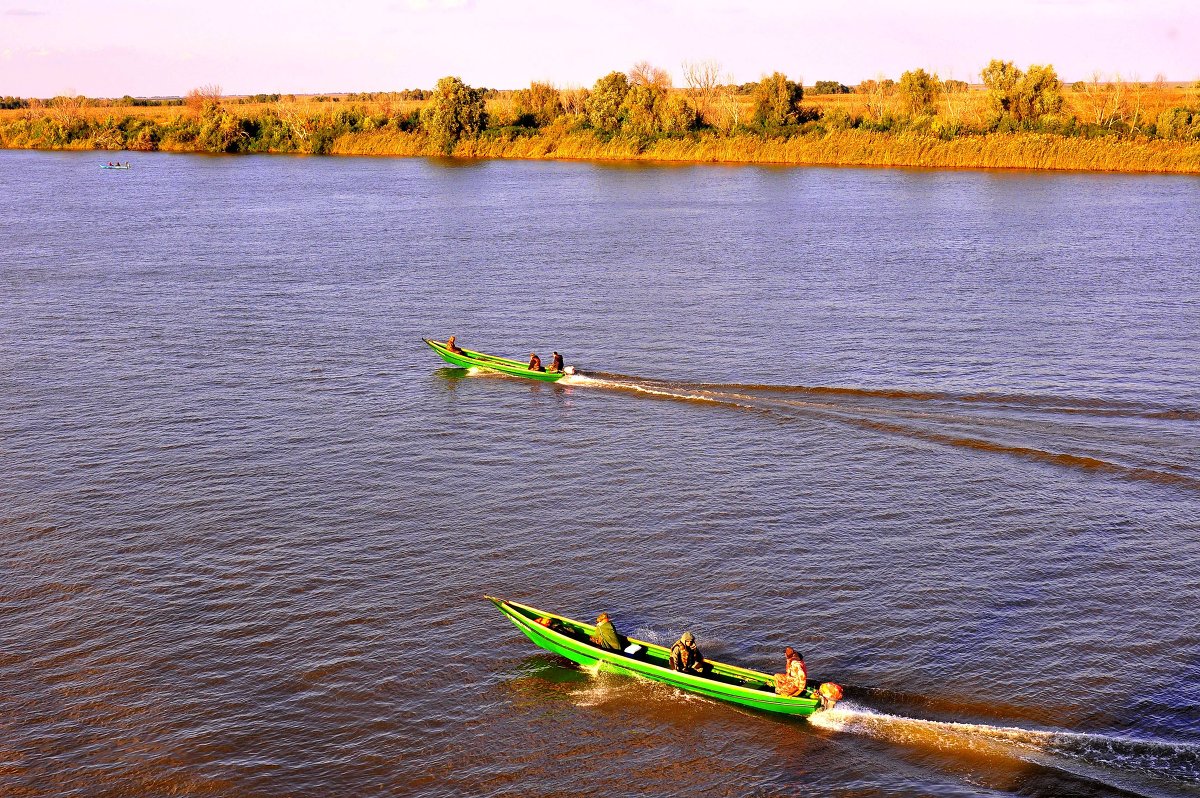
(742, 686)
(467, 359)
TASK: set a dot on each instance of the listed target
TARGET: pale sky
(165, 47)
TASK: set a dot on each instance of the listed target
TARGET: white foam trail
(596, 382)
(596, 690)
(603, 687)
(1160, 759)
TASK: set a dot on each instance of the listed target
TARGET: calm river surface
(940, 431)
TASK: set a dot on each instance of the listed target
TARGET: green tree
(677, 115)
(1039, 92)
(1023, 96)
(1001, 78)
(830, 87)
(455, 110)
(1179, 123)
(641, 109)
(540, 104)
(604, 103)
(919, 91)
(777, 101)
(220, 130)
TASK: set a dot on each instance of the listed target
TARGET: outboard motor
(830, 694)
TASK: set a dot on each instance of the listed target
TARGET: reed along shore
(1020, 150)
(1018, 120)
(833, 148)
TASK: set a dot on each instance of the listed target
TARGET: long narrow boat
(114, 166)
(569, 638)
(467, 359)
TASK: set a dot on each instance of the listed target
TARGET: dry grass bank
(835, 148)
(852, 129)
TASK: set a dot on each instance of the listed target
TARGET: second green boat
(743, 686)
(465, 358)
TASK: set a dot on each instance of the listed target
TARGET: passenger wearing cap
(795, 677)
(686, 656)
(605, 635)
(535, 362)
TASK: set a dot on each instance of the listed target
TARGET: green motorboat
(467, 359)
(725, 682)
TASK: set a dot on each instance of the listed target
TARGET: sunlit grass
(851, 129)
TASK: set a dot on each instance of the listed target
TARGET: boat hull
(478, 360)
(728, 682)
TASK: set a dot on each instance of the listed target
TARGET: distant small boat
(114, 166)
(467, 359)
(743, 686)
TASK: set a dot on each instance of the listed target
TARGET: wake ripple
(1163, 760)
(1031, 423)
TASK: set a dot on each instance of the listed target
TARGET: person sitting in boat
(552, 624)
(453, 347)
(556, 363)
(535, 362)
(686, 656)
(795, 675)
(606, 636)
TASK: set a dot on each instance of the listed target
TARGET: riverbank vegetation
(1018, 118)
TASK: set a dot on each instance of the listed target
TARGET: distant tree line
(830, 87)
(640, 106)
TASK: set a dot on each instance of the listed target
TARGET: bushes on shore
(636, 113)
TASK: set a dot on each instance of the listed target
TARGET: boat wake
(1099, 756)
(1145, 442)
(604, 688)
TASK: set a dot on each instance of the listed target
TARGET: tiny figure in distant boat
(453, 347)
(795, 676)
(606, 635)
(686, 656)
(556, 363)
(535, 362)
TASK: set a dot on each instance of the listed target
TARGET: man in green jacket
(606, 636)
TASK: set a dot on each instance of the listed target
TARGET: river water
(940, 431)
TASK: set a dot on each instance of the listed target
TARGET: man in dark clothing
(556, 363)
(606, 636)
(686, 656)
